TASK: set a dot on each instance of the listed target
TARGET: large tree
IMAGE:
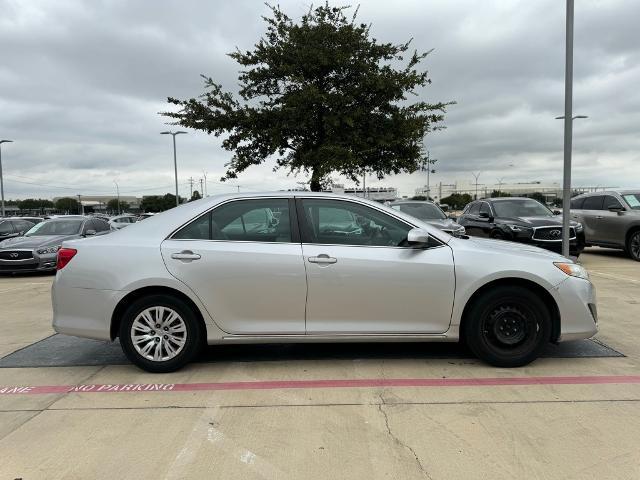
(35, 204)
(67, 204)
(319, 96)
(115, 205)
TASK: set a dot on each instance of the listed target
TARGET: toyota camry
(304, 267)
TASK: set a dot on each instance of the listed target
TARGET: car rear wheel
(633, 246)
(507, 326)
(160, 333)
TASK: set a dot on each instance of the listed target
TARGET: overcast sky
(81, 84)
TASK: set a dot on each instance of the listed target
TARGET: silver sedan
(304, 267)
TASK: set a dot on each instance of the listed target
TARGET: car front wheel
(160, 333)
(507, 326)
(633, 246)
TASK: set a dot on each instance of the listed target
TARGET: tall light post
(427, 162)
(1, 179)
(118, 193)
(175, 161)
(476, 176)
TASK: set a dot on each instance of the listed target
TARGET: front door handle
(186, 255)
(599, 217)
(323, 258)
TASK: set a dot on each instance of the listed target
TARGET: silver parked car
(36, 250)
(305, 267)
(431, 213)
(121, 221)
(611, 219)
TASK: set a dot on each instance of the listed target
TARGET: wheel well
(116, 317)
(630, 232)
(509, 282)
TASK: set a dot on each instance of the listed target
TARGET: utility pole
(364, 183)
(80, 207)
(201, 189)
(427, 162)
(206, 189)
(190, 187)
(2, 212)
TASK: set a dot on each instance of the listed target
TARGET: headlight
(515, 228)
(460, 230)
(573, 269)
(578, 227)
(44, 251)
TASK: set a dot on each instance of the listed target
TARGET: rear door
(244, 261)
(592, 216)
(363, 278)
(6, 230)
(469, 219)
(611, 225)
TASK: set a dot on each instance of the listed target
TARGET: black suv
(520, 220)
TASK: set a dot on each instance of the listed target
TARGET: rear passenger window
(474, 209)
(577, 202)
(199, 229)
(264, 220)
(611, 202)
(593, 203)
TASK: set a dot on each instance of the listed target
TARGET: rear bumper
(84, 312)
(576, 299)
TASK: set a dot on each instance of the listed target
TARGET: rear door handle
(323, 258)
(599, 217)
(186, 255)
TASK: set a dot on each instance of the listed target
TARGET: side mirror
(90, 232)
(557, 212)
(418, 237)
(484, 215)
(615, 208)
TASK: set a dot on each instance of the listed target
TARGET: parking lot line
(319, 384)
(614, 277)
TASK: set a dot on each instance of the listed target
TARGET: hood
(36, 241)
(555, 220)
(491, 245)
(444, 224)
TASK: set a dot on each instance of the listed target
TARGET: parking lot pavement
(236, 418)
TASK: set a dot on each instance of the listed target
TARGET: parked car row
(606, 219)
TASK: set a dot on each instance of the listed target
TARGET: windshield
(422, 211)
(521, 208)
(56, 227)
(633, 199)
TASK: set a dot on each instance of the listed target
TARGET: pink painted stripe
(335, 383)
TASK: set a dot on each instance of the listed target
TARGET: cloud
(81, 84)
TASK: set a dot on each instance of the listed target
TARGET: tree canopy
(195, 196)
(34, 204)
(159, 203)
(457, 201)
(112, 205)
(319, 96)
(67, 204)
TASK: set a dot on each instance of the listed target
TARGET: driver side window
(339, 222)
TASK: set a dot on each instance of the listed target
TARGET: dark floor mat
(65, 351)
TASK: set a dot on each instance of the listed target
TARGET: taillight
(64, 256)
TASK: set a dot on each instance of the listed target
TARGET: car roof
(619, 191)
(404, 202)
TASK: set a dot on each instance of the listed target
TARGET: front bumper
(38, 263)
(576, 245)
(576, 299)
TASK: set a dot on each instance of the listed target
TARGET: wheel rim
(510, 328)
(158, 334)
(635, 245)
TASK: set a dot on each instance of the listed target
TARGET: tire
(507, 326)
(166, 328)
(633, 246)
(497, 235)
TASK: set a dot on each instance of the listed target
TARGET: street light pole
(175, 161)
(118, 193)
(1, 179)
(476, 177)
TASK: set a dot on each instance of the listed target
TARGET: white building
(378, 194)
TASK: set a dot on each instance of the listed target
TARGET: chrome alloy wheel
(158, 333)
(634, 246)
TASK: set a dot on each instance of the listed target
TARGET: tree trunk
(315, 183)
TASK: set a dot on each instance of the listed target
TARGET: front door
(363, 277)
(243, 262)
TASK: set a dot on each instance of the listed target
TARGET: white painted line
(614, 277)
